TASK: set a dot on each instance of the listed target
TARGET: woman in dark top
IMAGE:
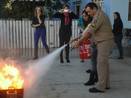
(40, 31)
(65, 31)
(117, 31)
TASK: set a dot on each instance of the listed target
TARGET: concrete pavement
(66, 80)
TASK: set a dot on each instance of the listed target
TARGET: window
(129, 11)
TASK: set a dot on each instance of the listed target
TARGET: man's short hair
(92, 5)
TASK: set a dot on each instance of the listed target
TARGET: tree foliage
(19, 9)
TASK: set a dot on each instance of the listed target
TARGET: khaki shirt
(100, 27)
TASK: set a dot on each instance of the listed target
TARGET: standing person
(101, 31)
(83, 21)
(65, 31)
(93, 71)
(117, 31)
(40, 30)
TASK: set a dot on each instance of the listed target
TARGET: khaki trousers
(104, 49)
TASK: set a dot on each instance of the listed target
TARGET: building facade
(121, 6)
(75, 5)
(78, 5)
(110, 6)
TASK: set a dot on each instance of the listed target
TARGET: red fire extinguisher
(85, 50)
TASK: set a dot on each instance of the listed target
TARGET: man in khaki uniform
(101, 31)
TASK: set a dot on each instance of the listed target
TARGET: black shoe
(68, 61)
(88, 71)
(91, 79)
(82, 61)
(95, 90)
(107, 88)
(61, 61)
(120, 57)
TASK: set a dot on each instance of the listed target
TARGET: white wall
(106, 8)
(111, 6)
(118, 5)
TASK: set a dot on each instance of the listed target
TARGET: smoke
(38, 69)
(33, 71)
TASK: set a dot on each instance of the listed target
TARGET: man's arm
(35, 25)
(93, 26)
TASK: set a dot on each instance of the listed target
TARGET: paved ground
(66, 80)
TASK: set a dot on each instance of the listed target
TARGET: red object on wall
(85, 50)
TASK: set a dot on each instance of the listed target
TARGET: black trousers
(118, 41)
(94, 57)
(64, 39)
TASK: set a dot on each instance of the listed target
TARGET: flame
(10, 77)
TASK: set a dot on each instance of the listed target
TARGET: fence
(16, 36)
